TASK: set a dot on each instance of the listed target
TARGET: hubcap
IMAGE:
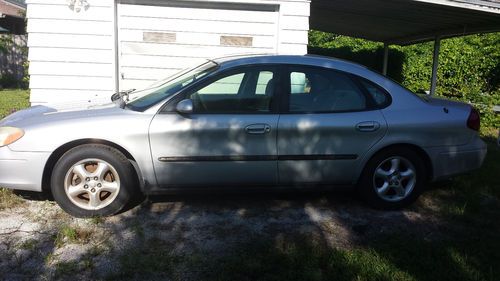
(394, 179)
(92, 184)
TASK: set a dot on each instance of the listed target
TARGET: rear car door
(330, 122)
(229, 139)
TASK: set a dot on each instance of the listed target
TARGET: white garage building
(84, 50)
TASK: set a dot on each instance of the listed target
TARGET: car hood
(42, 113)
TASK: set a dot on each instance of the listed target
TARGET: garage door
(160, 38)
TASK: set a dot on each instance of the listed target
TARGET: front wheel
(393, 179)
(93, 180)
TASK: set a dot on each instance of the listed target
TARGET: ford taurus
(255, 121)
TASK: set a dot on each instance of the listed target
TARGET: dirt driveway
(39, 241)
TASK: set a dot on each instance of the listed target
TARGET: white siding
(71, 54)
(192, 32)
(73, 58)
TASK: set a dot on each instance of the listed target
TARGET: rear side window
(299, 83)
(316, 90)
(379, 95)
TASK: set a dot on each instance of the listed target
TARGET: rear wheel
(93, 180)
(393, 178)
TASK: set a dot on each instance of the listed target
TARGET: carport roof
(405, 22)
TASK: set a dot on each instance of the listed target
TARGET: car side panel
(439, 130)
(213, 149)
(124, 128)
(324, 148)
(16, 166)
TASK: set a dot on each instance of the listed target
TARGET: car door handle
(368, 126)
(258, 129)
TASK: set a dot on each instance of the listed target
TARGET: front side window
(159, 91)
(229, 85)
(247, 91)
(264, 80)
(323, 90)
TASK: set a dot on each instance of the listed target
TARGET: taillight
(474, 120)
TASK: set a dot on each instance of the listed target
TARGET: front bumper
(454, 160)
(22, 170)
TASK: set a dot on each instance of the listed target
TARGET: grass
(150, 260)
(29, 244)
(8, 199)
(72, 235)
(391, 257)
(13, 100)
(96, 220)
(66, 268)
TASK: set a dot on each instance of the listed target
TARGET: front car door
(230, 138)
(332, 120)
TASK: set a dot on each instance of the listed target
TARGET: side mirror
(185, 106)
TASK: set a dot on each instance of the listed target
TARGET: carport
(406, 22)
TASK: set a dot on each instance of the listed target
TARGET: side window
(265, 83)
(249, 91)
(299, 84)
(379, 95)
(323, 90)
(229, 85)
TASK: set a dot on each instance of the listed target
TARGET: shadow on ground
(244, 236)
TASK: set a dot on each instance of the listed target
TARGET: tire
(394, 178)
(93, 180)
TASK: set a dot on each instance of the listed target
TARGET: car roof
(309, 60)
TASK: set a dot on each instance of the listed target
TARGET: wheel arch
(59, 152)
(420, 151)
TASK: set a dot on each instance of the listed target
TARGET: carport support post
(435, 63)
(386, 58)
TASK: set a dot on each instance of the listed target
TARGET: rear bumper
(22, 170)
(454, 160)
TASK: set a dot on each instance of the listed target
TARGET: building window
(236, 41)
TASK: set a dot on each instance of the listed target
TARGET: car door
(330, 122)
(228, 139)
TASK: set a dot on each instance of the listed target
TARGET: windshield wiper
(121, 98)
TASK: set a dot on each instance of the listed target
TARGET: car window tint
(379, 95)
(263, 81)
(227, 86)
(299, 84)
(249, 91)
(322, 90)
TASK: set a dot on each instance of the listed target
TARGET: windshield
(143, 99)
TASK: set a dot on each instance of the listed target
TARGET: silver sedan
(248, 121)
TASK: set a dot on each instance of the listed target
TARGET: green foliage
(4, 42)
(469, 67)
(9, 81)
